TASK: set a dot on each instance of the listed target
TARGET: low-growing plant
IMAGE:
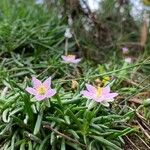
(63, 121)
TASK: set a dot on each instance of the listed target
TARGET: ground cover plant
(53, 97)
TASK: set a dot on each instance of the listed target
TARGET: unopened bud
(74, 84)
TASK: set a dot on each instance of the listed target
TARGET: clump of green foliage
(61, 122)
(25, 25)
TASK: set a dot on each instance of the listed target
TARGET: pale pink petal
(64, 58)
(105, 90)
(87, 94)
(31, 90)
(110, 95)
(98, 99)
(75, 61)
(128, 60)
(50, 93)
(67, 59)
(47, 83)
(125, 50)
(36, 82)
(90, 88)
(40, 97)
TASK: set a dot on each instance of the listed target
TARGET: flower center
(41, 90)
(71, 56)
(99, 92)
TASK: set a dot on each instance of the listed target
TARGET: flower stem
(66, 46)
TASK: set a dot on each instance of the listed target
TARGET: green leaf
(91, 145)
(63, 146)
(75, 119)
(22, 146)
(28, 108)
(5, 115)
(38, 123)
(6, 129)
(75, 146)
(53, 138)
(6, 145)
(67, 119)
(56, 119)
(13, 141)
(43, 145)
(74, 133)
(105, 142)
(121, 133)
(32, 137)
(30, 147)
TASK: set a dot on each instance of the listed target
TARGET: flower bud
(74, 85)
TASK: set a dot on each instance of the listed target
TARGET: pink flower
(101, 95)
(41, 90)
(128, 60)
(70, 59)
(125, 50)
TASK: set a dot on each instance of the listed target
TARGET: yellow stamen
(41, 90)
(71, 56)
(99, 91)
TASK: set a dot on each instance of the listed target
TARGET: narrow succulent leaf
(38, 124)
(44, 144)
(12, 147)
(106, 142)
(67, 119)
(75, 146)
(70, 113)
(91, 145)
(30, 147)
(63, 145)
(28, 108)
(23, 146)
(53, 138)
(5, 115)
(32, 137)
(74, 133)
(56, 119)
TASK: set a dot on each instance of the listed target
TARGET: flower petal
(87, 94)
(31, 90)
(47, 83)
(36, 82)
(98, 99)
(65, 58)
(40, 97)
(90, 88)
(70, 59)
(75, 61)
(50, 93)
(110, 95)
(106, 90)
